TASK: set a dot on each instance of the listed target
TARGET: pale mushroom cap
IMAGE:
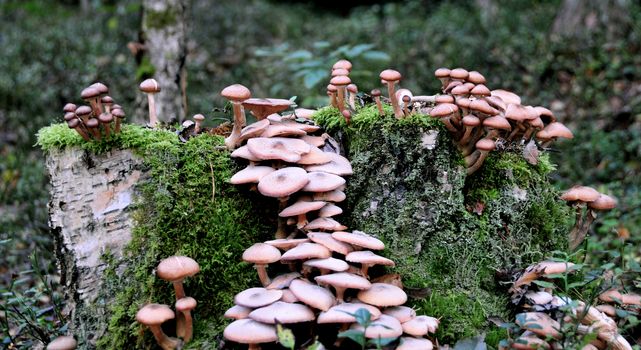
(420, 326)
(480, 90)
(340, 80)
(369, 258)
(323, 182)
(337, 165)
(341, 313)
(257, 297)
(289, 297)
(556, 129)
(317, 141)
(175, 268)
(344, 64)
(540, 297)
(261, 253)
(401, 313)
(186, 303)
(497, 122)
(262, 107)
(382, 295)
(529, 341)
(306, 251)
(236, 92)
(248, 331)
(339, 71)
(330, 242)
(459, 73)
(448, 99)
(496, 102)
(442, 73)
(198, 117)
(251, 174)
(283, 182)
(301, 207)
(384, 327)
(282, 312)
(254, 129)
(280, 130)
(65, 342)
(411, 343)
(154, 314)
(89, 93)
(486, 145)
(390, 75)
(460, 90)
(102, 88)
(507, 96)
(149, 86)
(283, 281)
(475, 77)
(332, 264)
(243, 152)
(331, 196)
(470, 120)
(238, 312)
(327, 224)
(360, 239)
(330, 210)
(288, 150)
(287, 244)
(580, 193)
(483, 107)
(304, 126)
(315, 156)
(344, 280)
(313, 295)
(539, 323)
(444, 110)
(546, 114)
(603, 202)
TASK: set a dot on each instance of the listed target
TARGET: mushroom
(283, 281)
(247, 331)
(279, 148)
(342, 281)
(539, 323)
(262, 107)
(236, 94)
(105, 119)
(602, 203)
(281, 184)
(76, 124)
(184, 328)
(353, 90)
(119, 114)
(175, 269)
(310, 294)
(326, 239)
(341, 82)
(153, 316)
(401, 313)
(347, 115)
(391, 77)
(343, 313)
(384, 327)
(382, 295)
(261, 254)
(367, 259)
(257, 297)
(300, 209)
(93, 125)
(338, 165)
(475, 77)
(360, 239)
(65, 342)
(283, 313)
(577, 197)
(92, 96)
(237, 312)
(198, 120)
(411, 343)
(107, 101)
(151, 87)
(483, 146)
(326, 265)
(306, 251)
(376, 93)
(420, 325)
(443, 74)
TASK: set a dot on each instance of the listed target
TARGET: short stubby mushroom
(184, 328)
(281, 312)
(175, 269)
(153, 316)
(359, 238)
(261, 254)
(367, 259)
(251, 174)
(64, 342)
(248, 331)
(300, 210)
(383, 295)
(401, 313)
(326, 265)
(315, 296)
(391, 77)
(420, 325)
(411, 343)
(257, 297)
(342, 281)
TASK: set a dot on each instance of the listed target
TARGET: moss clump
(448, 234)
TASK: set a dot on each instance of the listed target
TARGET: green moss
(161, 19)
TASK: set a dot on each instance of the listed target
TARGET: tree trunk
(585, 18)
(165, 33)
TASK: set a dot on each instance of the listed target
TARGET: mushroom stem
(165, 342)
(178, 287)
(392, 96)
(153, 118)
(341, 98)
(578, 222)
(332, 99)
(466, 135)
(364, 269)
(262, 274)
(282, 222)
(479, 162)
(580, 234)
(239, 122)
(427, 99)
(302, 220)
(253, 347)
(186, 325)
(379, 105)
(340, 291)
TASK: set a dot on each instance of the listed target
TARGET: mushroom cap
(516, 112)
(332, 264)
(603, 202)
(539, 298)
(483, 107)
(390, 75)
(281, 312)
(287, 244)
(420, 326)
(237, 312)
(236, 92)
(580, 193)
(384, 327)
(340, 80)
(317, 141)
(382, 295)
(331, 88)
(442, 72)
(480, 90)
(459, 73)
(176, 268)
(285, 149)
(369, 258)
(261, 253)
(243, 152)
(327, 224)
(198, 117)
(306, 251)
(329, 210)
(288, 296)
(470, 120)
(251, 174)
(359, 238)
(154, 314)
(100, 87)
(313, 295)
(485, 145)
(444, 110)
(92, 123)
(65, 342)
(83, 111)
(315, 156)
(283, 281)
(342, 313)
(105, 118)
(546, 115)
(262, 107)
(73, 123)
(186, 303)
(89, 93)
(322, 182)
(257, 297)
(149, 86)
(507, 96)
(401, 313)
(248, 331)
(556, 129)
(283, 182)
(253, 130)
(497, 122)
(117, 112)
(337, 165)
(539, 323)
(529, 341)
(342, 63)
(69, 107)
(339, 71)
(496, 102)
(344, 280)
(439, 99)
(475, 77)
(275, 130)
(301, 207)
(330, 242)
(330, 196)
(411, 343)
(460, 90)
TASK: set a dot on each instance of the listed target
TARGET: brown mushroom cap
(382, 295)
(339, 71)
(65, 342)
(283, 182)
(485, 145)
(288, 150)
(483, 107)
(186, 303)
(556, 129)
(251, 174)
(330, 242)
(480, 90)
(154, 314)
(475, 77)
(390, 75)
(603, 202)
(507, 96)
(459, 73)
(340, 80)
(442, 73)
(411, 343)
(253, 130)
(238, 312)
(175, 268)
(281, 312)
(497, 122)
(359, 238)
(368, 257)
(313, 295)
(420, 326)
(83, 111)
(261, 253)
(283, 281)
(384, 327)
(257, 297)
(149, 86)
(306, 251)
(580, 193)
(317, 141)
(342, 313)
(89, 93)
(301, 207)
(248, 331)
(470, 120)
(262, 107)
(69, 107)
(444, 110)
(401, 313)
(279, 130)
(344, 280)
(236, 92)
(344, 64)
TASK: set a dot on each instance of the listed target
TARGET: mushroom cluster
(581, 197)
(173, 269)
(98, 120)
(314, 271)
(544, 314)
